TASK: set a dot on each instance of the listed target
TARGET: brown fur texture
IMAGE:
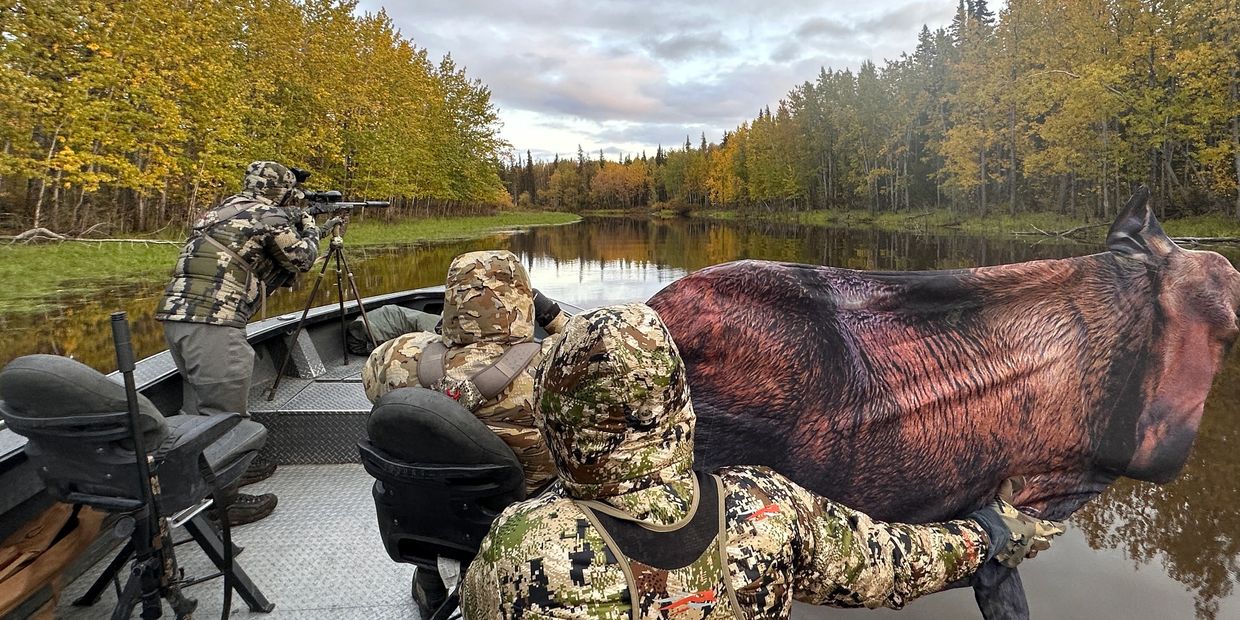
(911, 396)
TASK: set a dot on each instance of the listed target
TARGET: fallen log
(1059, 233)
(1204, 240)
(43, 234)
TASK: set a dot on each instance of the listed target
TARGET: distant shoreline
(36, 274)
(1039, 224)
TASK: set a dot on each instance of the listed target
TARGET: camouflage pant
(216, 363)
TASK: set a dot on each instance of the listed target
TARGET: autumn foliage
(140, 113)
(1050, 105)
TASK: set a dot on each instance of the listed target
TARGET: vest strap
(491, 380)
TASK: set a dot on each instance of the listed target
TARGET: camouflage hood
(487, 298)
(269, 180)
(613, 403)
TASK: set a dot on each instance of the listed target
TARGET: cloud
(823, 26)
(684, 46)
(625, 74)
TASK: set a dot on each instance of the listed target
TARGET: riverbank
(998, 224)
(33, 275)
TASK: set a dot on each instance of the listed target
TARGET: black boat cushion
(417, 425)
(51, 386)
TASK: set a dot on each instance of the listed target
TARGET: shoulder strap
(491, 380)
(494, 378)
(231, 211)
(241, 262)
(430, 363)
(230, 208)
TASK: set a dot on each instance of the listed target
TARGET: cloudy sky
(626, 76)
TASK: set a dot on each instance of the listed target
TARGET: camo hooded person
(631, 531)
(239, 252)
(489, 312)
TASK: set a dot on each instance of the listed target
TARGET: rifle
(333, 201)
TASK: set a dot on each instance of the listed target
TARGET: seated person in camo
(488, 317)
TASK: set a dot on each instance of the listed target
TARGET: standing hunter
(240, 251)
(631, 531)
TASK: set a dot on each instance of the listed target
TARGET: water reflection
(1138, 551)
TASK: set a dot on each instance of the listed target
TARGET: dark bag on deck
(387, 323)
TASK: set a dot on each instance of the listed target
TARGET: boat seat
(77, 422)
(441, 476)
(81, 445)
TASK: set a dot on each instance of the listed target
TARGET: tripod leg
(214, 548)
(344, 322)
(129, 596)
(300, 324)
(96, 589)
(358, 297)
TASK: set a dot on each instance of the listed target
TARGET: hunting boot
(428, 591)
(246, 508)
(261, 468)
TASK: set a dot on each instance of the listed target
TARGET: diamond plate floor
(317, 556)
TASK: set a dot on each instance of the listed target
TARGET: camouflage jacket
(613, 403)
(543, 558)
(208, 285)
(488, 307)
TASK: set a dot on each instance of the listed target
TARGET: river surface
(1138, 551)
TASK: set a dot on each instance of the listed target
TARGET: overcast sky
(626, 76)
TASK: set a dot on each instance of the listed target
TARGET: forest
(138, 114)
(1045, 106)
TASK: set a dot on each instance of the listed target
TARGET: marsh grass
(998, 224)
(36, 276)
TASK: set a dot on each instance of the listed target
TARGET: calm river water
(1139, 551)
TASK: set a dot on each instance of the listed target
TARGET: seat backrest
(443, 475)
(417, 425)
(49, 398)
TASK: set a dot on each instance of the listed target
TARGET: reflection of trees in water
(1191, 526)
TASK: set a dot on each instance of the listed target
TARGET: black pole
(143, 549)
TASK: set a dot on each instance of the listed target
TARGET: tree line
(1050, 105)
(141, 113)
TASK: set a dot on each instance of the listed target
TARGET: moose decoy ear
(1136, 233)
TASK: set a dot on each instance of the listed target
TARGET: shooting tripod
(335, 251)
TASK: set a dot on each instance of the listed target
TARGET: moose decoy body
(911, 396)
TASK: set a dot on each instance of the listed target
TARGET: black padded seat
(441, 476)
(416, 425)
(51, 386)
(81, 445)
(77, 422)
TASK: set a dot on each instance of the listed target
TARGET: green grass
(34, 273)
(995, 224)
(607, 213)
(449, 228)
(1203, 226)
(35, 276)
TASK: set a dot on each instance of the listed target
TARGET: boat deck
(317, 556)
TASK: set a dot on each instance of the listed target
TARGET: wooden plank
(29, 560)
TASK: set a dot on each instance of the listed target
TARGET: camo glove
(307, 226)
(1013, 534)
(547, 313)
(333, 222)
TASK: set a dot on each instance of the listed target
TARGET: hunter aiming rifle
(331, 202)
